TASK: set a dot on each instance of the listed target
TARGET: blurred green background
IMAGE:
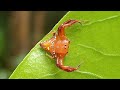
(19, 32)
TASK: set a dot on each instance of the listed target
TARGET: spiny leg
(59, 64)
(61, 32)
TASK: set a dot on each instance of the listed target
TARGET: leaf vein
(105, 54)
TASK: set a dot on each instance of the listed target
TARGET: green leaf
(96, 43)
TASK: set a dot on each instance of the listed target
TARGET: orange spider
(58, 46)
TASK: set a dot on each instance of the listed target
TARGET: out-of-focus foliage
(3, 28)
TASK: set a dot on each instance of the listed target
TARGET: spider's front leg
(61, 32)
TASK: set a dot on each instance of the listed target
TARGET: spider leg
(59, 64)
